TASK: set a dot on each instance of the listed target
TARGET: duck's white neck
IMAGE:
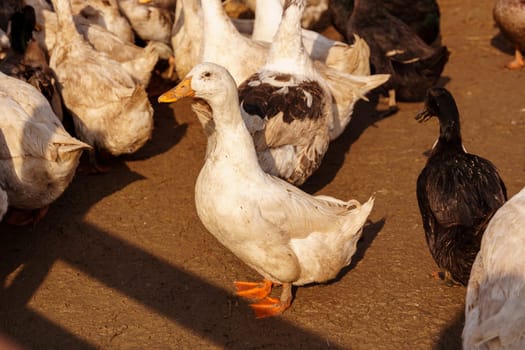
(188, 14)
(217, 24)
(267, 18)
(231, 140)
(65, 18)
(287, 52)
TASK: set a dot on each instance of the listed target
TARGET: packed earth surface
(121, 260)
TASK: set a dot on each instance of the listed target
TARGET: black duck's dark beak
(430, 110)
(424, 115)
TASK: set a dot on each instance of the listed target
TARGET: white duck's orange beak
(183, 89)
(145, 1)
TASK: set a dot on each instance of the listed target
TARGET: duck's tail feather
(353, 226)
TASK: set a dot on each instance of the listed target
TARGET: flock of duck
(271, 96)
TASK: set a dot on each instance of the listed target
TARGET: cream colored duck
(287, 105)
(38, 158)
(495, 302)
(110, 110)
(106, 14)
(285, 234)
(137, 61)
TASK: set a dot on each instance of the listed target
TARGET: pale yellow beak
(183, 89)
(145, 1)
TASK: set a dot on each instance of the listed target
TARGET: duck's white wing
(298, 213)
(26, 136)
(104, 78)
(29, 99)
(495, 301)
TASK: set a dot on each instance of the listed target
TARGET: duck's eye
(207, 74)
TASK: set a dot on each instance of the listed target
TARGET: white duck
(495, 301)
(110, 110)
(287, 105)
(285, 234)
(38, 158)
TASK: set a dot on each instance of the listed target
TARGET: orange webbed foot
(270, 307)
(445, 276)
(518, 61)
(171, 66)
(267, 306)
(253, 290)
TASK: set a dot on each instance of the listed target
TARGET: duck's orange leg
(171, 66)
(253, 290)
(273, 307)
(445, 276)
(518, 61)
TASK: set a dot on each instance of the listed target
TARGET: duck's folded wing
(22, 136)
(298, 213)
(463, 198)
(97, 83)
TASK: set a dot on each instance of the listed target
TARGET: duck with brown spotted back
(287, 105)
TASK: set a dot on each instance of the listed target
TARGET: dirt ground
(122, 261)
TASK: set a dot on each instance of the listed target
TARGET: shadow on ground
(28, 254)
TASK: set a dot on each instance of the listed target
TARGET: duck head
(208, 81)
(440, 103)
